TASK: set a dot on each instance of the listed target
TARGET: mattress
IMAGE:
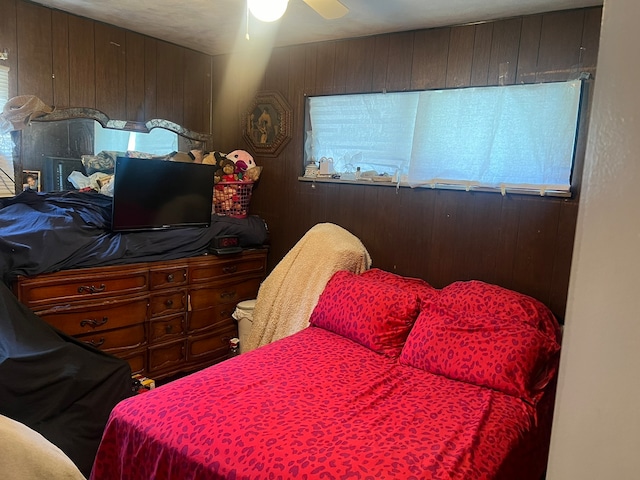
(317, 405)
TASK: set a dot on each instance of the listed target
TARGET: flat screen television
(158, 194)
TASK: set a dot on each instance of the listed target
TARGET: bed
(392, 379)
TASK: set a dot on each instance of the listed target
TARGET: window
(508, 138)
(7, 179)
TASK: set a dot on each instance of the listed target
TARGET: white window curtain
(517, 137)
(370, 131)
(521, 136)
(7, 180)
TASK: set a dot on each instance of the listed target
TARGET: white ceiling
(212, 26)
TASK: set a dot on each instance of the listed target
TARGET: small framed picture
(31, 180)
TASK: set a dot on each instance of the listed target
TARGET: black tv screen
(157, 194)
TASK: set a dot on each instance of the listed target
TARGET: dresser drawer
(113, 341)
(168, 303)
(212, 317)
(224, 268)
(165, 356)
(77, 285)
(162, 317)
(210, 347)
(168, 277)
(166, 328)
(206, 297)
(94, 317)
(137, 359)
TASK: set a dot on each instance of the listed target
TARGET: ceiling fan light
(267, 10)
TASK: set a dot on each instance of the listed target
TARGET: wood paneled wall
(69, 61)
(520, 242)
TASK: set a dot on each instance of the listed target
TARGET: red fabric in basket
(232, 199)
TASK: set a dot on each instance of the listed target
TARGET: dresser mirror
(53, 145)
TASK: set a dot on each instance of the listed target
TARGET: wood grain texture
(400, 61)
(560, 46)
(460, 59)
(9, 40)
(481, 54)
(70, 61)
(380, 63)
(359, 69)
(34, 52)
(197, 91)
(82, 65)
(111, 75)
(529, 49)
(520, 242)
(325, 66)
(150, 78)
(590, 40)
(135, 77)
(504, 52)
(60, 58)
(429, 63)
(170, 82)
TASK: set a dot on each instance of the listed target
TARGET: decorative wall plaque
(267, 124)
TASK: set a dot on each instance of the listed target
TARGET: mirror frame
(72, 113)
(127, 125)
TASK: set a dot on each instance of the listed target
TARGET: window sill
(517, 191)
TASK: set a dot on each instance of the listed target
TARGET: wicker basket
(232, 199)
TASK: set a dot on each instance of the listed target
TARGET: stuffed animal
(252, 174)
(233, 167)
(197, 156)
(181, 157)
(209, 159)
(217, 159)
(242, 159)
(228, 170)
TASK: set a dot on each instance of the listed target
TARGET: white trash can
(244, 315)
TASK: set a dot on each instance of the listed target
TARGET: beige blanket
(27, 455)
(289, 294)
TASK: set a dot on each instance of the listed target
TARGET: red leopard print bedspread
(315, 405)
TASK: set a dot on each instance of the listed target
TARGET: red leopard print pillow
(478, 298)
(422, 289)
(374, 314)
(485, 339)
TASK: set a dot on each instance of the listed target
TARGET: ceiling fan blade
(329, 9)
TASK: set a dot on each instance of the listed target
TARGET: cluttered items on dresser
(83, 236)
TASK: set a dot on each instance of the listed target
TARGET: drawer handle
(228, 294)
(225, 313)
(94, 323)
(170, 278)
(169, 328)
(169, 303)
(95, 344)
(230, 269)
(91, 289)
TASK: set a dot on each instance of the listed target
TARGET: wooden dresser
(162, 317)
